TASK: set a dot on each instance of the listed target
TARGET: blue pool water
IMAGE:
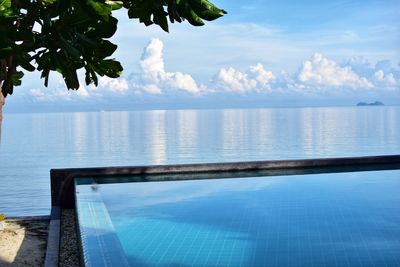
(32, 144)
(335, 219)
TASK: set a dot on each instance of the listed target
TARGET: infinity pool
(334, 219)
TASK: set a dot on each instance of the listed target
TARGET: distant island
(376, 103)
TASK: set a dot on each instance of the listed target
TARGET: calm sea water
(32, 144)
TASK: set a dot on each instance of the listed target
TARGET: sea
(32, 144)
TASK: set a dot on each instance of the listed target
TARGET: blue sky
(262, 54)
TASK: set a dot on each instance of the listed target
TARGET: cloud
(383, 74)
(39, 95)
(115, 85)
(320, 72)
(316, 77)
(255, 79)
(153, 78)
(82, 92)
(361, 66)
(385, 80)
(59, 92)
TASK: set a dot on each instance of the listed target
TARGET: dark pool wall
(62, 180)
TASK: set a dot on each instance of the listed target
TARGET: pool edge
(62, 180)
(90, 209)
(53, 239)
(63, 186)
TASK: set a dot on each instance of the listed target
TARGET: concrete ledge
(53, 239)
(62, 180)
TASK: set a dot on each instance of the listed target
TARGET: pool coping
(63, 180)
(95, 224)
(53, 238)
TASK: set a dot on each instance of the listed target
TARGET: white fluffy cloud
(116, 85)
(383, 75)
(385, 80)
(82, 92)
(58, 92)
(154, 79)
(231, 80)
(316, 74)
(322, 72)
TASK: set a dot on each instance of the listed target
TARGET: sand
(23, 243)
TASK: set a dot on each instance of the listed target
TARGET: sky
(261, 54)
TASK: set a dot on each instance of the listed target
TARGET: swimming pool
(329, 219)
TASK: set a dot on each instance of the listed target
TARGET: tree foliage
(68, 35)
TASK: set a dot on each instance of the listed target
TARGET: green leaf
(87, 41)
(187, 12)
(206, 10)
(192, 17)
(16, 78)
(5, 4)
(99, 7)
(93, 74)
(88, 79)
(6, 9)
(143, 11)
(173, 12)
(6, 52)
(114, 4)
(73, 34)
(24, 63)
(103, 29)
(45, 75)
(160, 18)
(72, 51)
(48, 2)
(71, 79)
(106, 49)
(110, 68)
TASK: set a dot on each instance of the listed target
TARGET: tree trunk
(2, 101)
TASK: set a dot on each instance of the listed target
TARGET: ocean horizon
(21, 110)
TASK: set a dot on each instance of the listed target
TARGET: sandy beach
(23, 242)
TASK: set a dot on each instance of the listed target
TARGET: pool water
(335, 219)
